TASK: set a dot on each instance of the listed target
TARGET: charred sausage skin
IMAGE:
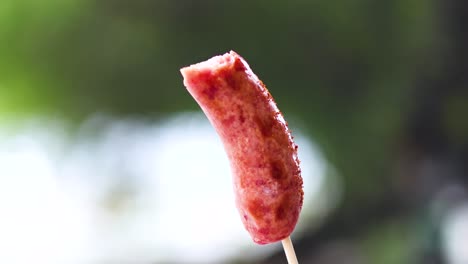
(263, 157)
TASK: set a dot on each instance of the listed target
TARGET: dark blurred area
(380, 86)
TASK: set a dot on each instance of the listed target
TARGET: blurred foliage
(337, 67)
(390, 243)
(348, 71)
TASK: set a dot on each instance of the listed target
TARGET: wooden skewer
(289, 250)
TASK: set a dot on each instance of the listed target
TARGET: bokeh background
(105, 157)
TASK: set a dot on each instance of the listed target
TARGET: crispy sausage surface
(262, 154)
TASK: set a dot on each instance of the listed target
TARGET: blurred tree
(378, 84)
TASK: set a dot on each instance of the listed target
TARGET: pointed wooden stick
(289, 250)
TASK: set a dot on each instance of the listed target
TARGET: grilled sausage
(256, 138)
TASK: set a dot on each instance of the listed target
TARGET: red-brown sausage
(262, 154)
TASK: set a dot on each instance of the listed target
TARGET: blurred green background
(380, 87)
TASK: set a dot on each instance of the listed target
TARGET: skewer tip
(289, 250)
